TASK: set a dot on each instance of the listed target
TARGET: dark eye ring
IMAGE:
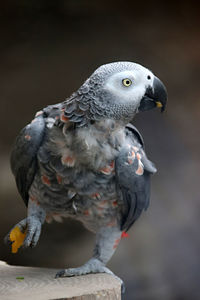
(148, 77)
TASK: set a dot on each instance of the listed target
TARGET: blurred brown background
(48, 48)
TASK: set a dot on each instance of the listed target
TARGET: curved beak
(155, 96)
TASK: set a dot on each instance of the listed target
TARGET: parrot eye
(148, 77)
(126, 82)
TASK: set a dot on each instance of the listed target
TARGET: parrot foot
(30, 227)
(34, 226)
(92, 266)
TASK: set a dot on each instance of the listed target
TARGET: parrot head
(116, 91)
(125, 88)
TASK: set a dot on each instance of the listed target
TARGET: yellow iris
(126, 82)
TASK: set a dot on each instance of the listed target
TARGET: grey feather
(23, 156)
(133, 189)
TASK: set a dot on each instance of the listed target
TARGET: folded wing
(133, 171)
(24, 155)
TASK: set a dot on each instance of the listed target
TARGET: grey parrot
(83, 159)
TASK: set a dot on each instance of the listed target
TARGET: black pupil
(127, 82)
(148, 77)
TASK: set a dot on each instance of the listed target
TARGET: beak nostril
(155, 96)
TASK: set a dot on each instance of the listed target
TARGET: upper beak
(155, 96)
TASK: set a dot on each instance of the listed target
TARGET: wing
(24, 154)
(133, 171)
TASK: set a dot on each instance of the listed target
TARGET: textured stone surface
(39, 283)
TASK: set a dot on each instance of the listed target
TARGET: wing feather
(133, 187)
(24, 155)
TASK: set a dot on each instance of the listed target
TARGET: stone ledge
(20, 283)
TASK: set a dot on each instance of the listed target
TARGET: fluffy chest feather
(93, 147)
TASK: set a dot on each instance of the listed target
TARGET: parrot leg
(107, 240)
(31, 226)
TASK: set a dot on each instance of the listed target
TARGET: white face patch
(129, 85)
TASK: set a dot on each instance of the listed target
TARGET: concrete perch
(18, 283)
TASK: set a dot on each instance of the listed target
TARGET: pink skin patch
(116, 243)
(27, 137)
(45, 180)
(68, 160)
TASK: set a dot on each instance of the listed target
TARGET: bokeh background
(48, 48)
